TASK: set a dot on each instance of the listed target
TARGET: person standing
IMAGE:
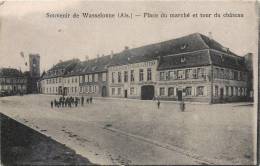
(158, 103)
(90, 99)
(51, 104)
(82, 101)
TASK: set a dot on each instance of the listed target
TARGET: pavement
(112, 131)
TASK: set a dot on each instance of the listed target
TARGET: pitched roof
(204, 52)
(10, 72)
(91, 66)
(61, 68)
(194, 59)
(228, 61)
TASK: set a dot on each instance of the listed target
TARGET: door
(147, 92)
(104, 91)
(179, 94)
(125, 93)
(221, 93)
(65, 91)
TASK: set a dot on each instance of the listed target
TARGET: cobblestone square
(129, 131)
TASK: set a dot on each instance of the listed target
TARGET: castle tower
(34, 70)
(34, 62)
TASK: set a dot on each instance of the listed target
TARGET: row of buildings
(191, 68)
(14, 81)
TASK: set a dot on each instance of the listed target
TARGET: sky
(25, 28)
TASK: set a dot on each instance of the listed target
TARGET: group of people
(70, 101)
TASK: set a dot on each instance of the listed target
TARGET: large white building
(193, 67)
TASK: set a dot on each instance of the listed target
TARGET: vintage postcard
(129, 82)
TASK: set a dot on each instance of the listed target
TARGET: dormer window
(184, 46)
(183, 59)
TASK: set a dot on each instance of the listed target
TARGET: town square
(129, 83)
(129, 131)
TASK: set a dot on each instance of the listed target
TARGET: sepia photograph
(129, 82)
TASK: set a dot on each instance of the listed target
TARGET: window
(180, 74)
(239, 76)
(95, 88)
(76, 80)
(113, 91)
(113, 77)
(171, 91)
(90, 78)
(216, 90)
(132, 90)
(239, 91)
(232, 74)
(194, 73)
(59, 80)
(201, 73)
(235, 91)
(104, 76)
(162, 76)
(183, 59)
(119, 77)
(80, 89)
(216, 73)
(132, 76)
(125, 76)
(119, 91)
(96, 77)
(172, 75)
(80, 79)
(90, 89)
(227, 74)
(141, 74)
(232, 91)
(72, 80)
(188, 91)
(86, 78)
(162, 91)
(200, 90)
(227, 90)
(167, 76)
(75, 89)
(93, 77)
(188, 73)
(149, 74)
(222, 73)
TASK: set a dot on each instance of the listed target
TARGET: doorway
(179, 94)
(104, 91)
(147, 92)
(221, 93)
(125, 93)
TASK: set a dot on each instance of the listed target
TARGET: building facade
(13, 81)
(53, 81)
(134, 80)
(191, 68)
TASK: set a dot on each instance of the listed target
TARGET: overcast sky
(24, 27)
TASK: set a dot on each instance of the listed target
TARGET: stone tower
(34, 68)
(34, 73)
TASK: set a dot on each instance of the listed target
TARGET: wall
(132, 88)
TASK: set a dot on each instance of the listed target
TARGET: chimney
(126, 48)
(210, 35)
